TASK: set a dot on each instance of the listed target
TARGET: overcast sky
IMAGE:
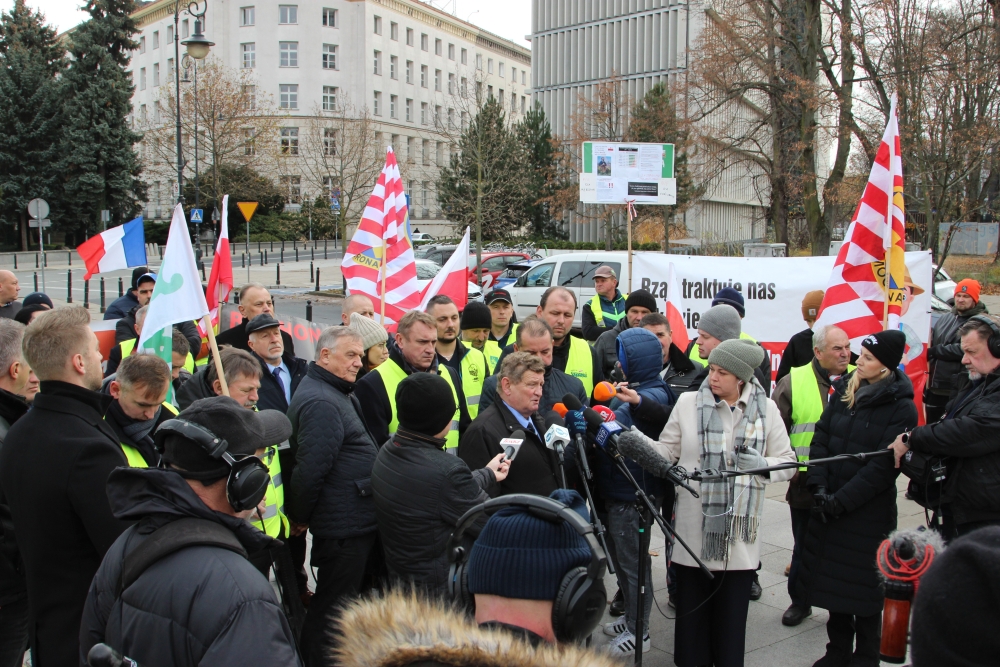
(510, 18)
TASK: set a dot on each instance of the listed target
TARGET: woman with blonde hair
(855, 501)
(373, 338)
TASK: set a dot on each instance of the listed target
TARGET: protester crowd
(458, 507)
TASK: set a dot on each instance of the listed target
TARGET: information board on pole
(620, 173)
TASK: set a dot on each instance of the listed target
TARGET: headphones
(993, 342)
(248, 477)
(580, 598)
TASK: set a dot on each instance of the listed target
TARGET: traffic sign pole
(38, 209)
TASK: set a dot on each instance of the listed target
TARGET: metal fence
(970, 238)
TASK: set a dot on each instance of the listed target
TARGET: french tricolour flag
(120, 247)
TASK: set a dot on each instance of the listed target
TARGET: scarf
(136, 430)
(731, 507)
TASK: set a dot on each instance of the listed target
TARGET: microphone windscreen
(517, 435)
(635, 446)
(553, 417)
(607, 414)
(592, 418)
(560, 409)
(604, 391)
(572, 402)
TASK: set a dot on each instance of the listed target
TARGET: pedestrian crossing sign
(197, 216)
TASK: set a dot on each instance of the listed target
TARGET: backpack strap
(171, 538)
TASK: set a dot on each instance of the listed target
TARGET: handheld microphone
(512, 444)
(604, 391)
(607, 434)
(633, 445)
(560, 409)
(594, 420)
(607, 414)
(556, 436)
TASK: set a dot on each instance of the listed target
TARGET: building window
(424, 41)
(501, 98)
(411, 156)
(409, 36)
(523, 78)
(292, 185)
(377, 70)
(290, 141)
(513, 101)
(451, 119)
(247, 16)
(156, 39)
(500, 70)
(423, 76)
(378, 25)
(329, 56)
(250, 97)
(142, 78)
(489, 92)
(423, 113)
(438, 46)
(330, 17)
(170, 70)
(329, 141)
(423, 197)
(394, 31)
(330, 187)
(185, 29)
(288, 14)
(249, 141)
(142, 45)
(157, 108)
(249, 55)
(489, 66)
(523, 103)
(437, 116)
(393, 100)
(437, 80)
(393, 67)
(425, 152)
(451, 52)
(409, 71)
(465, 87)
(409, 110)
(170, 33)
(451, 84)
(156, 74)
(465, 56)
(289, 54)
(289, 97)
(479, 61)
(329, 98)
(465, 119)
(378, 103)
(513, 74)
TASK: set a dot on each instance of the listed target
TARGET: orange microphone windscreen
(604, 391)
(561, 409)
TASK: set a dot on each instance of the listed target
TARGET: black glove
(818, 492)
(829, 504)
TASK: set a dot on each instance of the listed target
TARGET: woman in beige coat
(729, 423)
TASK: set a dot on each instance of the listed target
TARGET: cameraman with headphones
(967, 435)
(176, 589)
(535, 577)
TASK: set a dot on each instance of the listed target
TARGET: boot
(617, 605)
(840, 629)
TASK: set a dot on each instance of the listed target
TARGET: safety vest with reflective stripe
(474, 372)
(134, 457)
(693, 354)
(128, 346)
(580, 363)
(274, 498)
(492, 349)
(392, 375)
(808, 404)
(600, 315)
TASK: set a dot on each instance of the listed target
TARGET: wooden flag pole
(215, 355)
(382, 272)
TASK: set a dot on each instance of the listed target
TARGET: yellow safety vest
(128, 346)
(808, 404)
(599, 314)
(392, 375)
(580, 363)
(134, 457)
(274, 498)
(492, 349)
(693, 354)
(474, 373)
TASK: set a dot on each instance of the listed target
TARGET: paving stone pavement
(768, 643)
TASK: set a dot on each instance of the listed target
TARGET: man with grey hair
(801, 396)
(331, 482)
(356, 303)
(254, 300)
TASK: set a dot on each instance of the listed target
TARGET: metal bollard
(86, 294)
(36, 278)
(265, 254)
(311, 274)
(324, 249)
(36, 260)
(103, 308)
(15, 261)
(45, 261)
(69, 257)
(296, 254)
(309, 310)
(282, 260)
(69, 286)
(278, 276)
(282, 245)
(272, 246)
(312, 254)
(121, 288)
(261, 259)
(317, 280)
(243, 260)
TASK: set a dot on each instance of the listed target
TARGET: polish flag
(453, 278)
(675, 306)
(120, 247)
(220, 281)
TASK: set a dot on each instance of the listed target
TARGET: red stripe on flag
(91, 251)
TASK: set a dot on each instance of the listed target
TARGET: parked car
(421, 238)
(944, 286)
(514, 271)
(426, 270)
(493, 264)
(438, 254)
(574, 271)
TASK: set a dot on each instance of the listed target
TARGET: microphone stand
(595, 520)
(712, 473)
(562, 465)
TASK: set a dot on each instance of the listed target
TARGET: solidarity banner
(773, 289)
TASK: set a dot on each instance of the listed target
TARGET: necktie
(277, 377)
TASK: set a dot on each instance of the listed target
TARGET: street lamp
(197, 48)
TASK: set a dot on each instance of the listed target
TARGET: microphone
(633, 445)
(560, 409)
(512, 444)
(556, 436)
(607, 414)
(604, 391)
(594, 420)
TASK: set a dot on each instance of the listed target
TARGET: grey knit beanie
(372, 333)
(721, 321)
(739, 357)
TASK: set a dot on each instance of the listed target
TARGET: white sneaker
(615, 627)
(624, 645)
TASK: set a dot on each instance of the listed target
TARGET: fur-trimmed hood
(404, 629)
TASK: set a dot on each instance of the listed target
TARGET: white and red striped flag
(453, 278)
(220, 280)
(383, 224)
(860, 299)
(674, 311)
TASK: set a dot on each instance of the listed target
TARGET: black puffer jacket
(557, 384)
(201, 605)
(970, 436)
(12, 586)
(334, 453)
(420, 493)
(944, 355)
(838, 560)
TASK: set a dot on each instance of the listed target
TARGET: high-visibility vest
(134, 457)
(580, 363)
(600, 314)
(274, 498)
(392, 375)
(693, 354)
(808, 404)
(127, 346)
(492, 349)
(474, 373)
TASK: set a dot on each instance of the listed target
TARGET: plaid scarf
(731, 507)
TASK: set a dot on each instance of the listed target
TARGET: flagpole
(381, 270)
(215, 355)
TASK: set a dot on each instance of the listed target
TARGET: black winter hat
(138, 272)
(424, 403)
(955, 614)
(730, 297)
(641, 298)
(476, 316)
(886, 346)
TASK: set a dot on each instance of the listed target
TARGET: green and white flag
(177, 297)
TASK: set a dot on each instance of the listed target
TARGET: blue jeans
(623, 524)
(13, 632)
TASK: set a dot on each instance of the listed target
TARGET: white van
(573, 270)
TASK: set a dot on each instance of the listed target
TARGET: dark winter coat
(331, 485)
(798, 352)
(420, 493)
(270, 396)
(238, 338)
(557, 384)
(560, 355)
(944, 355)
(838, 557)
(12, 586)
(117, 420)
(196, 387)
(120, 307)
(201, 605)
(607, 351)
(969, 436)
(681, 375)
(54, 470)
